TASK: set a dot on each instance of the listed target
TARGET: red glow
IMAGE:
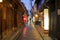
(24, 31)
(24, 18)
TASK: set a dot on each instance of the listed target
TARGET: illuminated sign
(46, 19)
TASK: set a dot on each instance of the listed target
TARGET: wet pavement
(33, 32)
(43, 34)
(30, 33)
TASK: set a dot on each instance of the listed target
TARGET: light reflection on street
(24, 31)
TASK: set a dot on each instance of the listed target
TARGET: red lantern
(24, 18)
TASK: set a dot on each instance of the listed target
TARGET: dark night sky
(37, 1)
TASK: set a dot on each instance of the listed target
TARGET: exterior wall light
(36, 15)
(1, 0)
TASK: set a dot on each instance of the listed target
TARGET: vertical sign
(46, 19)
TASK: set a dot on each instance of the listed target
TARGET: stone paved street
(30, 33)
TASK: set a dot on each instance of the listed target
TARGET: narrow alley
(29, 19)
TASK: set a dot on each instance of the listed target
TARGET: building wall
(6, 18)
(54, 30)
(58, 19)
(10, 19)
(53, 19)
(0, 20)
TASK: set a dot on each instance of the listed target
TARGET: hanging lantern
(24, 18)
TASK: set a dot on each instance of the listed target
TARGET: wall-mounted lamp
(1, 0)
(36, 15)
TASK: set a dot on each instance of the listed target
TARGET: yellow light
(46, 19)
(36, 15)
(1, 0)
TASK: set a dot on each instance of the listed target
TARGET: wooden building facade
(11, 12)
